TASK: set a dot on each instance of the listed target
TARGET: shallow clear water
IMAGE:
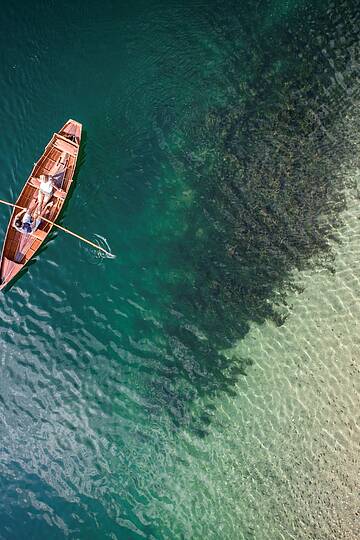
(203, 384)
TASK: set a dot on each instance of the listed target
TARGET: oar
(96, 246)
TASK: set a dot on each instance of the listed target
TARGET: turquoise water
(220, 145)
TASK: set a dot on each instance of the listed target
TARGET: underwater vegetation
(267, 170)
(266, 173)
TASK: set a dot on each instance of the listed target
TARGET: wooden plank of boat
(59, 161)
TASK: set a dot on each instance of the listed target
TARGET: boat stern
(9, 269)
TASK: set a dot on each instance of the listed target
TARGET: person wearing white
(46, 189)
(28, 223)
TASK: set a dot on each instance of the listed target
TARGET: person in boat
(46, 190)
(62, 160)
(27, 222)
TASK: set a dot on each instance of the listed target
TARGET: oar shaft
(96, 246)
(12, 204)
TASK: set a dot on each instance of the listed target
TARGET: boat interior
(58, 161)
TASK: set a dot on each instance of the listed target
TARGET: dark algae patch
(266, 170)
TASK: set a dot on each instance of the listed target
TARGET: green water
(203, 383)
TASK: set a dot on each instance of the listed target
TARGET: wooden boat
(59, 161)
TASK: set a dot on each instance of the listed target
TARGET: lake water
(204, 383)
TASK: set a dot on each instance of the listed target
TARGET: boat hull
(59, 161)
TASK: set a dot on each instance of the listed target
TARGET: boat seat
(65, 146)
(40, 235)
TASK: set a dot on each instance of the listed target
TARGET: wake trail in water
(96, 255)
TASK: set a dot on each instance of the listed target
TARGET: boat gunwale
(27, 186)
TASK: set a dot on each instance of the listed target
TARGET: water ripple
(125, 410)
